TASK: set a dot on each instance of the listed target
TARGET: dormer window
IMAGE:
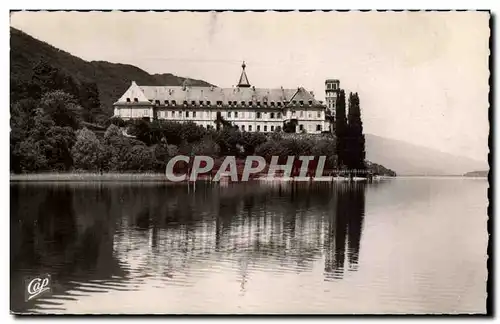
(193, 103)
(173, 102)
(258, 103)
(249, 103)
(157, 102)
(279, 104)
(128, 99)
(235, 103)
(294, 102)
(219, 103)
(208, 103)
(265, 103)
(310, 102)
(136, 100)
(242, 103)
(272, 103)
(201, 102)
(301, 102)
(166, 102)
(151, 100)
(185, 102)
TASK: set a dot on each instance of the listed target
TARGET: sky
(422, 77)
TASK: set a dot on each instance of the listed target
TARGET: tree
(89, 99)
(340, 128)
(62, 108)
(356, 139)
(87, 152)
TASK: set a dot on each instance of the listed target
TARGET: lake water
(407, 245)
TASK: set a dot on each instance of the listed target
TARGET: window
(272, 128)
(258, 116)
(301, 127)
(166, 102)
(128, 99)
(235, 114)
(173, 113)
(258, 103)
(301, 114)
(272, 103)
(208, 103)
(258, 128)
(180, 114)
(157, 102)
(309, 115)
(279, 115)
(242, 103)
(265, 128)
(293, 112)
(294, 102)
(219, 103)
(194, 114)
(249, 128)
(319, 114)
(310, 102)
(136, 100)
(265, 103)
(301, 102)
(146, 112)
(173, 102)
(185, 103)
(201, 102)
(272, 115)
(318, 128)
(193, 103)
(235, 103)
(187, 113)
(243, 127)
(249, 103)
(228, 114)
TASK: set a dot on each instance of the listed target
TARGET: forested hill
(111, 79)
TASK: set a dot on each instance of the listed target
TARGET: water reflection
(93, 238)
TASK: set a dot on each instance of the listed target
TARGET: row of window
(234, 114)
(272, 128)
(332, 86)
(229, 103)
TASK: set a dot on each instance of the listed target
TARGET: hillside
(408, 159)
(477, 174)
(112, 79)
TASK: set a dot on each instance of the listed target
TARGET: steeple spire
(243, 83)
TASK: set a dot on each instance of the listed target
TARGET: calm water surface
(400, 246)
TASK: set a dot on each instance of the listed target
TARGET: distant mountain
(112, 79)
(409, 159)
(481, 174)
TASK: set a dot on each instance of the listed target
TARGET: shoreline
(145, 177)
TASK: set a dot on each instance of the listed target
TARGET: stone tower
(332, 88)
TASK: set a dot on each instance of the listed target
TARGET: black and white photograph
(249, 162)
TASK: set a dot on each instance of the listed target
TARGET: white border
(493, 5)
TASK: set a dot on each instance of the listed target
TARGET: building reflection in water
(129, 233)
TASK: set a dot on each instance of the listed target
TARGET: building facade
(251, 109)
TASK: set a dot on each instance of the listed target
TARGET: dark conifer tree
(356, 139)
(340, 128)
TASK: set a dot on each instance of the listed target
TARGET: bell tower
(332, 88)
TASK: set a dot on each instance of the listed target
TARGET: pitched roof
(214, 94)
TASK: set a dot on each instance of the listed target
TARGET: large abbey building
(251, 109)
